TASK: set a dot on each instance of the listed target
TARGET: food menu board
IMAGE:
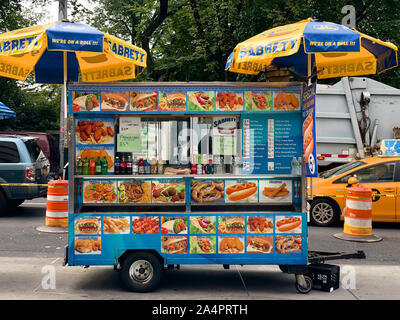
(216, 99)
(270, 142)
(94, 137)
(191, 190)
(195, 234)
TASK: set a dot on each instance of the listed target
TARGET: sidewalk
(21, 278)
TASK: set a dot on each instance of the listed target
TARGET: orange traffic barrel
(358, 212)
(57, 204)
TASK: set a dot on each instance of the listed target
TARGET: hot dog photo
(241, 191)
(288, 224)
(259, 244)
(308, 139)
(114, 101)
(275, 191)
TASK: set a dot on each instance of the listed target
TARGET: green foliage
(37, 107)
(193, 38)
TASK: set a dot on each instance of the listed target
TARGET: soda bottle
(135, 167)
(160, 166)
(122, 169)
(147, 167)
(79, 167)
(210, 167)
(141, 166)
(98, 165)
(85, 167)
(92, 166)
(194, 169)
(129, 165)
(117, 165)
(153, 166)
(104, 166)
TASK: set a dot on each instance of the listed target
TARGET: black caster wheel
(303, 286)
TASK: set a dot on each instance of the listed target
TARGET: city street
(26, 256)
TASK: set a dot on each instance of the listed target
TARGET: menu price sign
(270, 142)
(129, 142)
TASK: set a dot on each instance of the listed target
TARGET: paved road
(26, 256)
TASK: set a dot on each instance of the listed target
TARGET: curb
(51, 229)
(372, 238)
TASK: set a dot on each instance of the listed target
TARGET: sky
(51, 10)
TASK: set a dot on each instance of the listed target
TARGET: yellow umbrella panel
(336, 49)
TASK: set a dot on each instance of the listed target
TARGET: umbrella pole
(63, 113)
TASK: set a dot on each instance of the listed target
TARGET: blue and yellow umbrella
(60, 51)
(334, 49)
(6, 112)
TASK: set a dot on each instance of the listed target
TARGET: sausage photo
(241, 191)
(288, 224)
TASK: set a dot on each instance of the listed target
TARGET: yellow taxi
(381, 174)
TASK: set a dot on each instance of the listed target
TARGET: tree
(191, 39)
(36, 106)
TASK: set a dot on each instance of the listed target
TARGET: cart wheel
(141, 272)
(300, 287)
(283, 268)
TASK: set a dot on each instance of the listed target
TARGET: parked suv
(21, 161)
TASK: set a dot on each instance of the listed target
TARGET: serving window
(181, 140)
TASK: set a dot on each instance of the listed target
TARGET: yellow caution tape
(24, 184)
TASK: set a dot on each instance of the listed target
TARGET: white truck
(352, 117)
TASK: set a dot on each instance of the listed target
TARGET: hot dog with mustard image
(308, 139)
(241, 191)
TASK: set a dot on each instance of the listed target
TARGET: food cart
(213, 173)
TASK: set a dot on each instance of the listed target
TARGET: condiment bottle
(92, 166)
(153, 169)
(98, 165)
(160, 166)
(85, 167)
(79, 166)
(210, 167)
(135, 167)
(199, 167)
(147, 168)
(141, 166)
(104, 166)
(194, 169)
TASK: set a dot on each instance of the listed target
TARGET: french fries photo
(116, 225)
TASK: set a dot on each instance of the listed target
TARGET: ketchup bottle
(141, 166)
(92, 166)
